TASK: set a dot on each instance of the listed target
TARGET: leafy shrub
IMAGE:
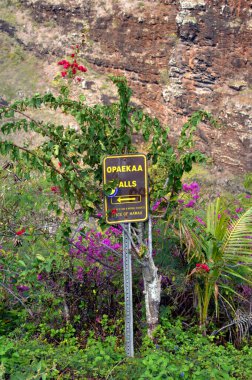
(178, 354)
(175, 354)
(37, 359)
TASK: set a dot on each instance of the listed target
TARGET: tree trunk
(152, 290)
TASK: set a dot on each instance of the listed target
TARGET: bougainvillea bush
(48, 282)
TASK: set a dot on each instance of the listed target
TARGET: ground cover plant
(61, 313)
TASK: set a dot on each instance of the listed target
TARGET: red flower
(82, 68)
(60, 164)
(205, 267)
(78, 79)
(74, 71)
(77, 46)
(114, 211)
(72, 55)
(55, 189)
(62, 62)
(20, 232)
(66, 65)
(63, 73)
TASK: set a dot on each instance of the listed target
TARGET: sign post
(126, 202)
(127, 276)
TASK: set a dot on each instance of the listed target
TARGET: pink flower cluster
(200, 220)
(94, 249)
(193, 189)
(238, 209)
(156, 205)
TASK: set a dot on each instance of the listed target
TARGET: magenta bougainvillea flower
(190, 204)
(192, 189)
(200, 220)
(22, 288)
(156, 204)
(239, 209)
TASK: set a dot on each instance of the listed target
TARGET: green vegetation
(177, 355)
(7, 11)
(61, 311)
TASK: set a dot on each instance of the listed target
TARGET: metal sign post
(127, 201)
(127, 276)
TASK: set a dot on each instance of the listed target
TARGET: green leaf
(56, 150)
(22, 263)
(40, 257)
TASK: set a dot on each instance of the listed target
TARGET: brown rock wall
(184, 55)
(178, 55)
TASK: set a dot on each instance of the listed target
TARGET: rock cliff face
(178, 55)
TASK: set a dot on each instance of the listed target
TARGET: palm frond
(194, 243)
(238, 237)
(236, 274)
(216, 219)
(243, 322)
(227, 290)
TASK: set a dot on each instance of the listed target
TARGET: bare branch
(15, 296)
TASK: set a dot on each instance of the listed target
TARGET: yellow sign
(128, 202)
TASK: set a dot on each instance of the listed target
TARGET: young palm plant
(224, 254)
